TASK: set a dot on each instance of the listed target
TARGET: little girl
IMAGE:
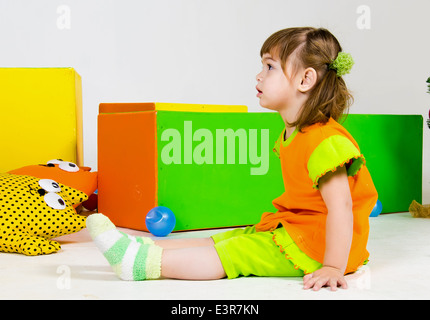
(321, 226)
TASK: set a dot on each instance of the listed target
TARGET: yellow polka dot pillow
(33, 211)
(63, 172)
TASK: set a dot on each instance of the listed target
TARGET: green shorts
(245, 252)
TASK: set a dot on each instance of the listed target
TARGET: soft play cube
(217, 169)
(212, 169)
(40, 116)
(393, 148)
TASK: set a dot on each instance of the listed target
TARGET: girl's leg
(173, 243)
(184, 243)
(137, 259)
(195, 263)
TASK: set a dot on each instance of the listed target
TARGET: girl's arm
(334, 188)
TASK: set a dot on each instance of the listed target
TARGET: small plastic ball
(377, 209)
(160, 221)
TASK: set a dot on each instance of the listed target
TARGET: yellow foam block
(40, 116)
(165, 106)
(184, 107)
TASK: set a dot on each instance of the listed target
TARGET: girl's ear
(308, 80)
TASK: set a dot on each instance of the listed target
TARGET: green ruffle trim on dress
(293, 253)
(284, 143)
(335, 151)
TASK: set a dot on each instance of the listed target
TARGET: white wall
(207, 51)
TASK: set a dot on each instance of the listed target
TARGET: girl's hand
(326, 276)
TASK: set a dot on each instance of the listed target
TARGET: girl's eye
(269, 66)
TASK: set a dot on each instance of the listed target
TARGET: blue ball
(377, 209)
(160, 221)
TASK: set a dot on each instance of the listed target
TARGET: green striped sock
(143, 240)
(132, 258)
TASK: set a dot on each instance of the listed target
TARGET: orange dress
(305, 157)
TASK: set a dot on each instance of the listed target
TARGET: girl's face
(276, 90)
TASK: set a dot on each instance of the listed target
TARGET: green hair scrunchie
(342, 64)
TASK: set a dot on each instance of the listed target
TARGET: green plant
(428, 86)
(428, 91)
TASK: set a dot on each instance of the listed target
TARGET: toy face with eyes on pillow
(64, 172)
(33, 211)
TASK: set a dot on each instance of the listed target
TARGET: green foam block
(218, 170)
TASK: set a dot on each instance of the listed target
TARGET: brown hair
(315, 48)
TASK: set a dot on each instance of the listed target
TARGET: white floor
(398, 269)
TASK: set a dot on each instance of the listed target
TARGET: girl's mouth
(259, 93)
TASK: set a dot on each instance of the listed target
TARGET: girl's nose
(258, 77)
